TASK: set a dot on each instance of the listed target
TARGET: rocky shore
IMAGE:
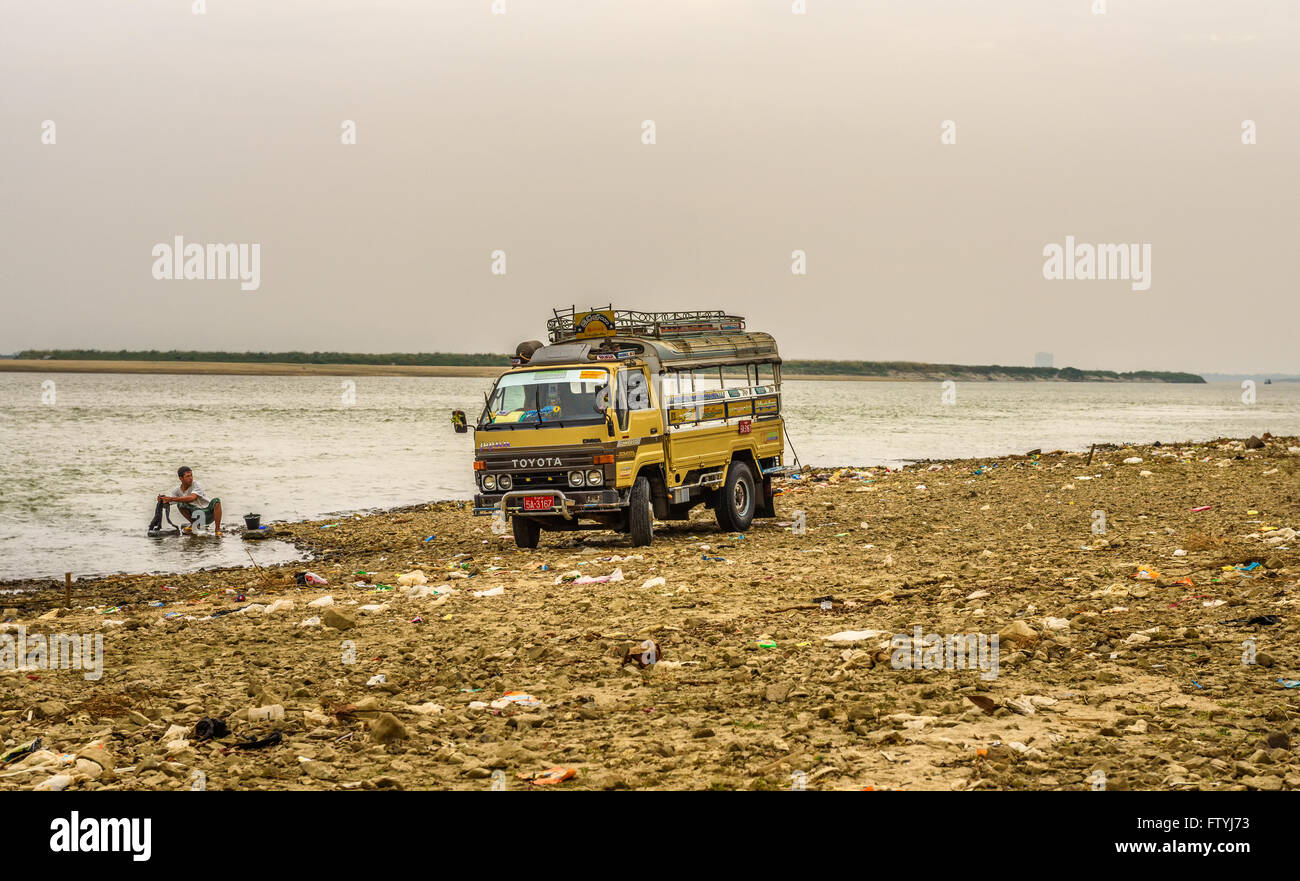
(1141, 605)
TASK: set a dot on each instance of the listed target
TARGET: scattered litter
(269, 713)
(515, 698)
(854, 635)
(20, 751)
(550, 776)
(616, 575)
(208, 728)
(646, 654)
(1257, 621)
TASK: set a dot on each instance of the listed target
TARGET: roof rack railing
(693, 322)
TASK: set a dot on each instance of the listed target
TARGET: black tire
(527, 532)
(640, 515)
(737, 501)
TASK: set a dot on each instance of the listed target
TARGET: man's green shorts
(209, 513)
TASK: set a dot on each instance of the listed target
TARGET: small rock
(387, 728)
(319, 771)
(336, 619)
(777, 692)
(1017, 632)
(50, 709)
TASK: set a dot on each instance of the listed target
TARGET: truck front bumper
(567, 504)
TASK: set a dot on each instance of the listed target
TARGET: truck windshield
(538, 398)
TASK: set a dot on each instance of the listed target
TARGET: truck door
(637, 419)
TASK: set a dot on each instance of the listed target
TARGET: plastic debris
(854, 635)
(515, 698)
(550, 776)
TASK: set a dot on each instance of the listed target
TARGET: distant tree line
(452, 359)
(895, 368)
(421, 359)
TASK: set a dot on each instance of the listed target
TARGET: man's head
(185, 474)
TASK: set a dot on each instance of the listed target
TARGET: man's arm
(189, 498)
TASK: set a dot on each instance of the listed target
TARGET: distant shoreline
(243, 368)
(271, 368)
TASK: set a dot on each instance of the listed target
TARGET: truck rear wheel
(527, 532)
(736, 500)
(640, 517)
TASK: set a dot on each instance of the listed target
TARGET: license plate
(745, 426)
(538, 503)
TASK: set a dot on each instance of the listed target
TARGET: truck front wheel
(640, 516)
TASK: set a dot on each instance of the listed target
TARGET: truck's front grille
(540, 479)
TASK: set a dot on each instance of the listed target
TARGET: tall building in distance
(1043, 359)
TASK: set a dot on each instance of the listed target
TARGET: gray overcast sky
(775, 132)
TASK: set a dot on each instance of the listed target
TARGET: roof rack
(660, 325)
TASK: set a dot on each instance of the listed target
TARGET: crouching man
(191, 499)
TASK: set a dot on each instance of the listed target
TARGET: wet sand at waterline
(1102, 678)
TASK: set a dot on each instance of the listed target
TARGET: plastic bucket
(252, 521)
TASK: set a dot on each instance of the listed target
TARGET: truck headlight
(575, 478)
(504, 482)
(595, 477)
(489, 482)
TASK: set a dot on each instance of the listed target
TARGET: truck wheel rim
(740, 497)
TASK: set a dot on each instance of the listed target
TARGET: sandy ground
(1103, 679)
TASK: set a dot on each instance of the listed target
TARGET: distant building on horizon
(1043, 359)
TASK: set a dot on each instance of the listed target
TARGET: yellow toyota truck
(627, 417)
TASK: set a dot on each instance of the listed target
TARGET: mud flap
(767, 501)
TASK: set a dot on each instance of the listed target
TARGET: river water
(82, 459)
